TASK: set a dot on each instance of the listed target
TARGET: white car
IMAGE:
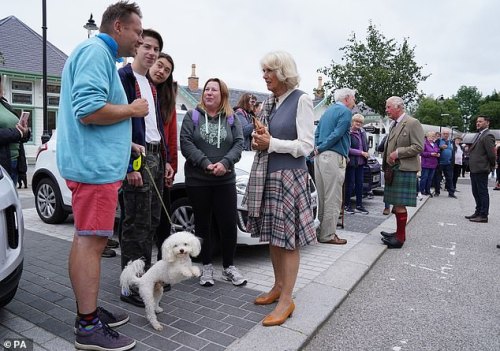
(11, 239)
(53, 198)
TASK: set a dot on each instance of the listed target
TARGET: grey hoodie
(212, 140)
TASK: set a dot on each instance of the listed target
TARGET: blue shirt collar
(111, 42)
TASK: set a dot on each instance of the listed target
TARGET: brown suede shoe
(386, 212)
(335, 241)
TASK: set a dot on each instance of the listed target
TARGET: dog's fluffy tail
(131, 275)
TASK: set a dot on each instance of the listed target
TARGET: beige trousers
(329, 175)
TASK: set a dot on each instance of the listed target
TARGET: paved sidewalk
(196, 318)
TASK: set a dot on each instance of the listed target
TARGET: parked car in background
(53, 198)
(11, 239)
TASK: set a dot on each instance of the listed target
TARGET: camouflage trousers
(142, 210)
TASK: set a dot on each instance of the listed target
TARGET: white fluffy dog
(174, 267)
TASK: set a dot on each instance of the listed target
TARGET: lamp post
(440, 101)
(90, 26)
(45, 136)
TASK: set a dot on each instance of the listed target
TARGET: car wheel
(48, 202)
(182, 215)
(7, 298)
(183, 220)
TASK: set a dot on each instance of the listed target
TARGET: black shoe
(361, 209)
(348, 209)
(498, 246)
(479, 219)
(474, 215)
(387, 234)
(108, 253)
(436, 194)
(112, 244)
(133, 299)
(453, 196)
(392, 243)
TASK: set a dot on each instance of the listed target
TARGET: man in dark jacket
(142, 205)
(481, 163)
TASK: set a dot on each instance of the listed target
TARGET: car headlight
(241, 184)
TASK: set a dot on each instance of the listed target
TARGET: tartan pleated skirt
(403, 190)
(286, 218)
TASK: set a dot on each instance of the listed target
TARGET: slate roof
(22, 49)
(234, 95)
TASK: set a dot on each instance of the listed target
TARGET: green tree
(377, 69)
(468, 100)
(490, 109)
(439, 112)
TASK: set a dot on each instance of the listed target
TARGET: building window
(53, 100)
(51, 121)
(22, 93)
(53, 91)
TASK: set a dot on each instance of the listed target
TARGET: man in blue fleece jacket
(93, 149)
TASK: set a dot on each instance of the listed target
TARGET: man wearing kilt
(401, 159)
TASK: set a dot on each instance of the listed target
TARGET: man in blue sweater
(332, 142)
(93, 149)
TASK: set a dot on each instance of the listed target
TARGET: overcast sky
(456, 41)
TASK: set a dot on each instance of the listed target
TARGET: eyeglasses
(358, 121)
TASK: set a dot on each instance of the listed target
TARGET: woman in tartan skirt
(278, 198)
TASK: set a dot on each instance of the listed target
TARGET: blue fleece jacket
(332, 132)
(94, 154)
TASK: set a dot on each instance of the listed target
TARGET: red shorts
(94, 207)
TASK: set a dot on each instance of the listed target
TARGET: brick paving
(196, 318)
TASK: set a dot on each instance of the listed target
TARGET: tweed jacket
(482, 153)
(407, 137)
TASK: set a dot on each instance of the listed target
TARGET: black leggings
(215, 203)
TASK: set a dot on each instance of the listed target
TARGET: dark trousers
(142, 212)
(447, 171)
(479, 182)
(457, 169)
(354, 182)
(426, 180)
(163, 229)
(215, 203)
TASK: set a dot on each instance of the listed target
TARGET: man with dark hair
(401, 159)
(142, 203)
(481, 163)
(94, 145)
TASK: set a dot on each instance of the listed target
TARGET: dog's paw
(196, 271)
(158, 309)
(157, 326)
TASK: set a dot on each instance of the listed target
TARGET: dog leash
(146, 167)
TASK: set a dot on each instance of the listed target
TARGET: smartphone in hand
(24, 118)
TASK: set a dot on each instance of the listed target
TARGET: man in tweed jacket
(401, 155)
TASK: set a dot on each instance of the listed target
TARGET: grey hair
(284, 65)
(396, 101)
(342, 93)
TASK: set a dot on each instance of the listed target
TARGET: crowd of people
(129, 116)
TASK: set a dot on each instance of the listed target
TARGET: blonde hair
(225, 105)
(358, 116)
(284, 65)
